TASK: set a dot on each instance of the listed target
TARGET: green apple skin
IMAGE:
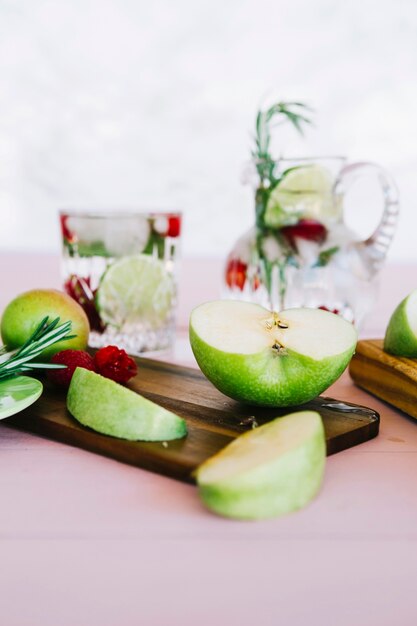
(111, 409)
(274, 488)
(23, 314)
(400, 339)
(263, 380)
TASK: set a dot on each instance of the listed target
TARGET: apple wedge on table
(270, 359)
(271, 470)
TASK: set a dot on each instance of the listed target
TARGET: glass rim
(114, 213)
(312, 159)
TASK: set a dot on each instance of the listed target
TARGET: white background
(118, 103)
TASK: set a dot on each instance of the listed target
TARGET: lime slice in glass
(136, 290)
(303, 192)
(17, 394)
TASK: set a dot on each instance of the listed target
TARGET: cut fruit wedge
(135, 290)
(16, 394)
(304, 191)
(271, 470)
(111, 409)
(270, 359)
(401, 334)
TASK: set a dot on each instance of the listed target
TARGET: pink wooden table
(88, 541)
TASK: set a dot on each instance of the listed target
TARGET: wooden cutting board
(213, 421)
(391, 378)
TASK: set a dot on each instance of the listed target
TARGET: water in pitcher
(300, 253)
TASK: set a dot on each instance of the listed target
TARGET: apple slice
(271, 470)
(270, 359)
(111, 409)
(401, 334)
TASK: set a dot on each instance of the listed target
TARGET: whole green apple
(23, 314)
(271, 470)
(270, 359)
(401, 334)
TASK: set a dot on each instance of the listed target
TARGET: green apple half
(271, 470)
(270, 359)
(401, 334)
(111, 409)
(23, 314)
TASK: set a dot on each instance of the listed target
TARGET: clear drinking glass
(122, 269)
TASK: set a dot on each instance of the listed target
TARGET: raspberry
(115, 363)
(174, 226)
(72, 359)
(236, 273)
(80, 290)
(67, 233)
(310, 230)
(167, 226)
(325, 308)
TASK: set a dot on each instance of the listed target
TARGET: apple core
(269, 358)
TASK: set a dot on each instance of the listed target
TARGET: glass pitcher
(300, 252)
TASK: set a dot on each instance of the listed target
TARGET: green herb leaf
(295, 113)
(325, 256)
(21, 360)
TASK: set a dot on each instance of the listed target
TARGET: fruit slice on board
(270, 359)
(271, 470)
(111, 409)
(16, 394)
(401, 334)
(135, 289)
(304, 191)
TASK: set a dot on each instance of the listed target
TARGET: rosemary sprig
(295, 113)
(325, 256)
(21, 360)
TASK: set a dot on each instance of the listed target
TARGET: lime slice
(304, 191)
(17, 394)
(135, 290)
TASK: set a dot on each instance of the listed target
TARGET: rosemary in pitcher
(296, 114)
(281, 112)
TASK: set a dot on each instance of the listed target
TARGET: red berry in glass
(174, 226)
(236, 274)
(79, 288)
(67, 233)
(325, 308)
(307, 229)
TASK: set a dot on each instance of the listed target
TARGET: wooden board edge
(69, 436)
(357, 372)
(354, 438)
(400, 406)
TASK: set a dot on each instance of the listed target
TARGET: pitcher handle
(375, 248)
